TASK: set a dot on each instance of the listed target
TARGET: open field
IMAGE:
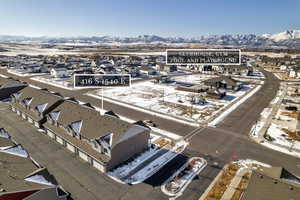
(164, 98)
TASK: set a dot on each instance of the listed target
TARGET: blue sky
(185, 18)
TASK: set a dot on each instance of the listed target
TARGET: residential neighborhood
(130, 150)
(149, 100)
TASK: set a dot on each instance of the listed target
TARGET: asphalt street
(228, 141)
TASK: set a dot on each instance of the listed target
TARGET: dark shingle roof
(94, 125)
(273, 183)
(227, 79)
(9, 82)
(13, 170)
(266, 188)
(39, 97)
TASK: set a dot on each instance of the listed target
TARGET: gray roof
(227, 79)
(94, 125)
(9, 81)
(5, 142)
(45, 194)
(13, 170)
(272, 184)
(39, 97)
(13, 84)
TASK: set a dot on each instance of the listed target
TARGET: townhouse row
(103, 140)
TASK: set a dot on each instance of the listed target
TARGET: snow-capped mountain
(289, 38)
(287, 35)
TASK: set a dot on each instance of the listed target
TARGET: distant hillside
(289, 38)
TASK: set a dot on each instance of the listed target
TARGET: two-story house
(33, 104)
(61, 72)
(104, 141)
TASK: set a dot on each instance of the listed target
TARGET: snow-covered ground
(164, 133)
(280, 116)
(266, 112)
(280, 149)
(195, 79)
(256, 128)
(166, 100)
(24, 74)
(34, 50)
(248, 163)
(280, 137)
(125, 169)
(156, 164)
(3, 76)
(65, 83)
(275, 137)
(275, 100)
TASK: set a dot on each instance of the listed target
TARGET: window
(27, 101)
(108, 139)
(40, 108)
(17, 95)
(54, 115)
(95, 145)
(76, 126)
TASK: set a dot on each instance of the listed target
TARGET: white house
(59, 72)
(283, 67)
(294, 72)
(147, 70)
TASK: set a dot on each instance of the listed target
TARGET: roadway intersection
(229, 140)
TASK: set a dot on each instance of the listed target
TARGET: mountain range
(289, 38)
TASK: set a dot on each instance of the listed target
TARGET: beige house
(102, 140)
(33, 104)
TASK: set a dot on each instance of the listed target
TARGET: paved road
(229, 140)
(241, 120)
(171, 126)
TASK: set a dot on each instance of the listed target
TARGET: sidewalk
(145, 163)
(234, 184)
(208, 189)
(268, 121)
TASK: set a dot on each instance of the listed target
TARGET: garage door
(83, 156)
(59, 140)
(36, 124)
(70, 147)
(98, 166)
(24, 116)
(30, 120)
(50, 134)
